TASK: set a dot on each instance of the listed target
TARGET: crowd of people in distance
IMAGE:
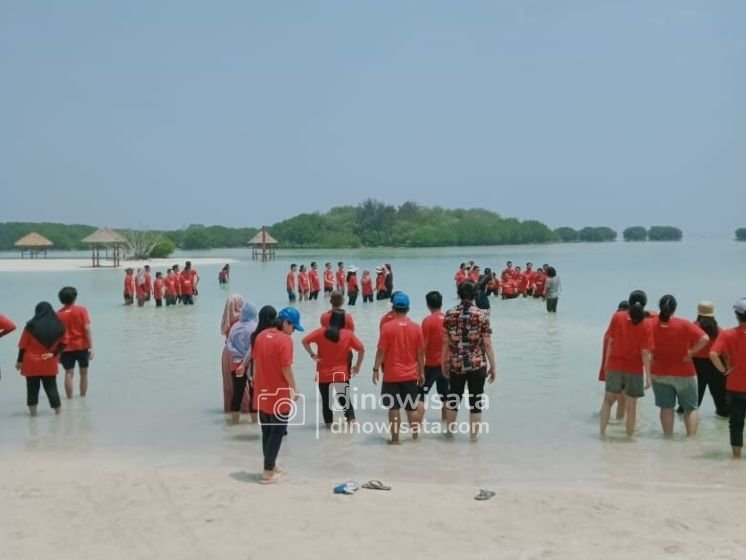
(448, 351)
(49, 339)
(542, 283)
(177, 286)
(679, 359)
(305, 284)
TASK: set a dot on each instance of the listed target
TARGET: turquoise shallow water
(156, 395)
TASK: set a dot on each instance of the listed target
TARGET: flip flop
(484, 495)
(376, 485)
(349, 487)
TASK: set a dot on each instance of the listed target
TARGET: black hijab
(45, 325)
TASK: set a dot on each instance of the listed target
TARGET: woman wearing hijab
(238, 345)
(38, 356)
(231, 315)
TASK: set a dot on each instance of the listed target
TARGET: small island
(741, 234)
(655, 233)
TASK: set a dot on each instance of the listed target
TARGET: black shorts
(68, 359)
(402, 394)
(328, 290)
(434, 376)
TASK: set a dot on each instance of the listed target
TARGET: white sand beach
(73, 508)
(64, 265)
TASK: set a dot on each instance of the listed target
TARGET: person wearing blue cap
(402, 348)
(274, 386)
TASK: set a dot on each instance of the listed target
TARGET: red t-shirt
(303, 284)
(672, 342)
(129, 285)
(6, 326)
(601, 370)
(341, 280)
(315, 281)
(628, 342)
(540, 281)
(272, 352)
(158, 289)
(186, 284)
(733, 343)
(385, 318)
(352, 284)
(367, 285)
(170, 283)
(327, 315)
(380, 282)
(332, 363)
(328, 279)
(290, 281)
(432, 334)
(460, 276)
(401, 340)
(32, 364)
(147, 283)
(507, 274)
(75, 318)
(474, 276)
(508, 287)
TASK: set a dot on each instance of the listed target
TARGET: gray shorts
(667, 388)
(632, 384)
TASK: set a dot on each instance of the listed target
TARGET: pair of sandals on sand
(350, 487)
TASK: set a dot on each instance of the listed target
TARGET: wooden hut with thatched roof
(33, 244)
(111, 242)
(263, 246)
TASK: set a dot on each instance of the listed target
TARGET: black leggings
(459, 381)
(50, 388)
(314, 295)
(552, 305)
(709, 376)
(273, 430)
(351, 297)
(343, 400)
(367, 298)
(239, 388)
(737, 407)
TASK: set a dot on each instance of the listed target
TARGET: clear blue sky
(163, 114)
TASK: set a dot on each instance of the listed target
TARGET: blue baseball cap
(400, 301)
(292, 316)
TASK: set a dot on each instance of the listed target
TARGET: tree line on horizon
(369, 224)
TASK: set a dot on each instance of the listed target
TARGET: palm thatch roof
(33, 240)
(268, 240)
(105, 236)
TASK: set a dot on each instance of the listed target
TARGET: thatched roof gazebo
(107, 239)
(263, 246)
(33, 244)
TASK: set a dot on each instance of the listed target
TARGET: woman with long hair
(333, 347)
(628, 358)
(707, 375)
(674, 377)
(231, 315)
(38, 356)
(239, 347)
(620, 411)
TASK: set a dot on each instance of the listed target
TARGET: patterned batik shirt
(465, 327)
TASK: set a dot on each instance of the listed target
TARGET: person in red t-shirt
(148, 282)
(140, 292)
(366, 283)
(352, 286)
(401, 347)
(304, 286)
(328, 280)
(507, 273)
(224, 276)
(540, 283)
(381, 289)
(158, 289)
(460, 275)
(731, 343)
(290, 282)
(313, 277)
(187, 287)
(620, 406)
(673, 374)
(171, 292)
(432, 337)
(192, 272)
(628, 358)
(509, 289)
(275, 391)
(340, 277)
(6, 326)
(530, 275)
(333, 347)
(129, 286)
(41, 343)
(78, 340)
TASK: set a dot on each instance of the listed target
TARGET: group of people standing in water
(679, 359)
(177, 286)
(542, 283)
(448, 351)
(305, 284)
(49, 339)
